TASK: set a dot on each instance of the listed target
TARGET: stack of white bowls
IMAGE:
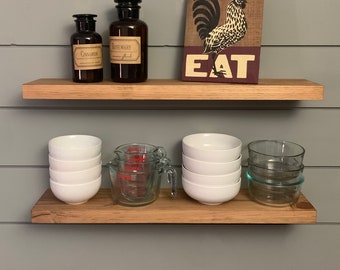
(211, 169)
(75, 167)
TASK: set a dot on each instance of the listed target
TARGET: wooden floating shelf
(182, 210)
(159, 89)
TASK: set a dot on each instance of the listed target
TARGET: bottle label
(125, 50)
(87, 56)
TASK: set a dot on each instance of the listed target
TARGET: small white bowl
(211, 168)
(212, 180)
(74, 147)
(75, 194)
(211, 195)
(76, 177)
(73, 165)
(212, 147)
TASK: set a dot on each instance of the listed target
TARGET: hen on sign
(206, 15)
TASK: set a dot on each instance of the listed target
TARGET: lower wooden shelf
(165, 210)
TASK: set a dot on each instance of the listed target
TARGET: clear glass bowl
(272, 194)
(273, 176)
(276, 155)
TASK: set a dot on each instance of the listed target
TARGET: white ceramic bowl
(76, 177)
(74, 147)
(75, 194)
(211, 195)
(211, 168)
(212, 147)
(212, 180)
(73, 165)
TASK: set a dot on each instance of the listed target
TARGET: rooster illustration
(206, 15)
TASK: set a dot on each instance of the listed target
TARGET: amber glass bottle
(128, 44)
(87, 54)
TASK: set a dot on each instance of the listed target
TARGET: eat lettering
(194, 65)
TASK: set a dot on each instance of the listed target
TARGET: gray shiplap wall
(300, 40)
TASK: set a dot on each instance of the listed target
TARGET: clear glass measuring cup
(136, 172)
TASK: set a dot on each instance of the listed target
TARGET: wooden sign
(223, 41)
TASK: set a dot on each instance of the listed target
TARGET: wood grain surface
(163, 89)
(165, 210)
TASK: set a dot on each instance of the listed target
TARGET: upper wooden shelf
(159, 89)
(165, 210)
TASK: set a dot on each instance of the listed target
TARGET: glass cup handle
(159, 152)
(117, 154)
(172, 179)
(165, 167)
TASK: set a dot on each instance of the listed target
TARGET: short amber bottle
(87, 54)
(128, 44)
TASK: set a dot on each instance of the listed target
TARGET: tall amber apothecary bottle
(128, 44)
(87, 55)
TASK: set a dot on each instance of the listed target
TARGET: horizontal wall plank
(35, 16)
(19, 188)
(289, 22)
(302, 22)
(56, 247)
(25, 136)
(26, 64)
(322, 187)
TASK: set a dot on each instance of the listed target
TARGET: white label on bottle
(125, 50)
(87, 56)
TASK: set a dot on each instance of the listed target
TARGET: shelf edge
(172, 90)
(183, 210)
